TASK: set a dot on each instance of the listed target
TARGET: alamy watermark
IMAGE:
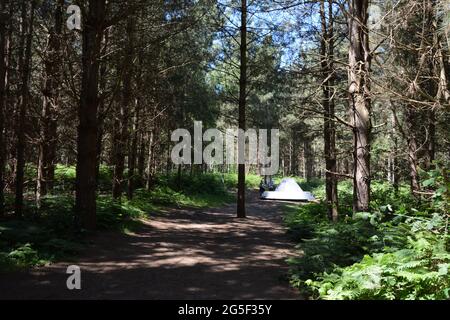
(74, 280)
(74, 20)
(232, 146)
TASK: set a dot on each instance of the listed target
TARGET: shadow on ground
(183, 254)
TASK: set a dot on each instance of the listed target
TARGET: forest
(92, 93)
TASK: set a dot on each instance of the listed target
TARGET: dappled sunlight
(185, 253)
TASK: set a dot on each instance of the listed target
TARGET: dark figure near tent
(266, 186)
(261, 188)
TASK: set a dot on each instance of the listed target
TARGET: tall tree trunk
(85, 203)
(291, 155)
(4, 44)
(149, 181)
(141, 159)
(47, 139)
(309, 159)
(411, 123)
(179, 178)
(431, 142)
(395, 174)
(329, 130)
(123, 134)
(359, 96)
(295, 153)
(25, 68)
(101, 106)
(139, 130)
(242, 104)
(132, 155)
(168, 157)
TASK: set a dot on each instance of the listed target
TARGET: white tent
(288, 190)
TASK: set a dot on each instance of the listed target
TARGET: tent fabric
(288, 190)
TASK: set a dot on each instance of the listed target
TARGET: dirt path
(184, 254)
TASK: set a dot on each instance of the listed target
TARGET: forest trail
(179, 254)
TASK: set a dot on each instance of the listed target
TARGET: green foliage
(206, 183)
(50, 232)
(324, 245)
(65, 178)
(438, 180)
(419, 271)
(399, 250)
(190, 184)
(22, 256)
(29, 243)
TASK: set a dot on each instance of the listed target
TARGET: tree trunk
(359, 96)
(329, 130)
(411, 122)
(150, 162)
(395, 174)
(132, 157)
(122, 142)
(309, 160)
(4, 44)
(85, 203)
(431, 143)
(168, 157)
(141, 159)
(101, 106)
(179, 178)
(295, 154)
(25, 68)
(291, 155)
(242, 104)
(48, 140)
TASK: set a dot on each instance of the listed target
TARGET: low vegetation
(400, 250)
(47, 233)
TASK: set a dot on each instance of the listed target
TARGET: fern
(397, 252)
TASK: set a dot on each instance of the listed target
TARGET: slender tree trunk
(412, 160)
(168, 158)
(179, 178)
(4, 64)
(132, 157)
(309, 160)
(48, 140)
(411, 122)
(347, 166)
(25, 67)
(123, 135)
(85, 203)
(4, 44)
(431, 143)
(295, 154)
(140, 133)
(291, 156)
(395, 174)
(150, 162)
(101, 106)
(329, 130)
(141, 159)
(242, 106)
(443, 91)
(359, 96)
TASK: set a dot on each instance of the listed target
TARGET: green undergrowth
(49, 233)
(398, 250)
